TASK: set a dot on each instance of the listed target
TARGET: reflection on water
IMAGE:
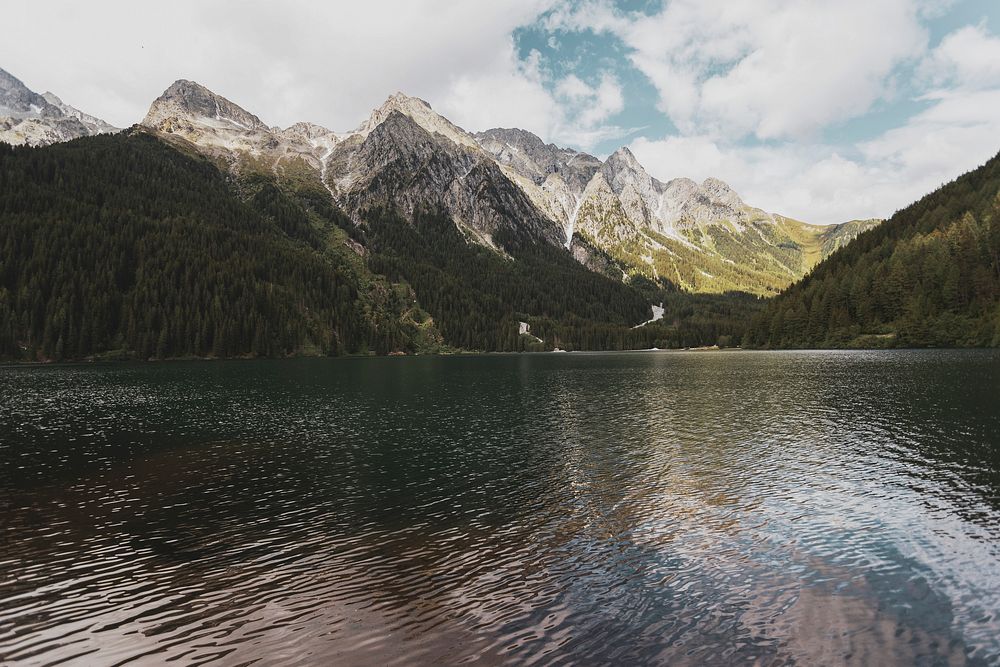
(668, 508)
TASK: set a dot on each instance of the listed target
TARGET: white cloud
(573, 88)
(329, 63)
(591, 105)
(509, 93)
(960, 131)
(596, 15)
(776, 69)
(751, 86)
(514, 93)
(812, 64)
(818, 184)
(607, 101)
(968, 57)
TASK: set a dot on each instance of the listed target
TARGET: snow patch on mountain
(657, 311)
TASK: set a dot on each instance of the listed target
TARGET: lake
(631, 508)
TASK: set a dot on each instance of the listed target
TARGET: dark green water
(639, 508)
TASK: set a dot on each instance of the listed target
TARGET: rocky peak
(397, 135)
(401, 163)
(532, 158)
(639, 192)
(312, 138)
(18, 101)
(93, 124)
(52, 99)
(624, 160)
(622, 169)
(720, 192)
(191, 101)
(514, 138)
(38, 120)
(681, 188)
(309, 130)
(401, 100)
(422, 114)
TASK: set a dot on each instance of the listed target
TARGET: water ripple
(765, 508)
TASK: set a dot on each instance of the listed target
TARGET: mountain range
(611, 215)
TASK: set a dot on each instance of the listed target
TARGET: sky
(822, 110)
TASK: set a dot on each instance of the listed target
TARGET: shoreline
(464, 353)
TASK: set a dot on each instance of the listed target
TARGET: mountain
(418, 234)
(93, 124)
(837, 236)
(122, 245)
(189, 114)
(529, 156)
(204, 232)
(404, 156)
(39, 120)
(612, 215)
(554, 178)
(928, 276)
(421, 113)
(700, 237)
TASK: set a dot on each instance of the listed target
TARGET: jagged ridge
(699, 236)
(27, 118)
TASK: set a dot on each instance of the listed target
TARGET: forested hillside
(127, 247)
(478, 297)
(123, 244)
(930, 276)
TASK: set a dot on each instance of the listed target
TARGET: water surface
(633, 508)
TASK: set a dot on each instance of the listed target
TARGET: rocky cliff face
(401, 165)
(531, 157)
(18, 101)
(27, 118)
(421, 113)
(193, 112)
(700, 236)
(93, 124)
(197, 116)
(404, 156)
(554, 178)
(679, 204)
